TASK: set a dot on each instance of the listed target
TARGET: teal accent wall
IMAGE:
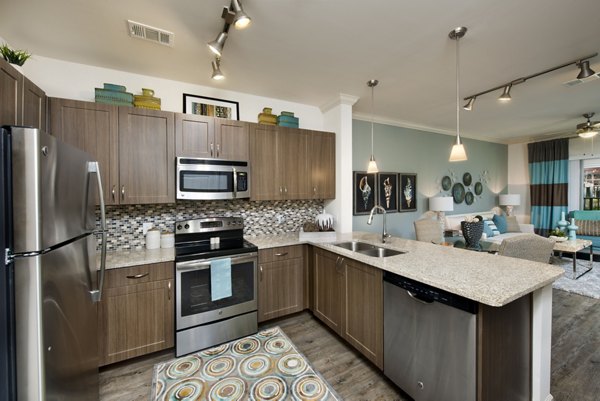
(404, 150)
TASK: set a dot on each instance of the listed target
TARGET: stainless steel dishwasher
(429, 340)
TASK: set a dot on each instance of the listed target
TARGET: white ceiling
(310, 51)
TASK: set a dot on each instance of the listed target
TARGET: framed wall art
(365, 192)
(211, 107)
(387, 190)
(407, 191)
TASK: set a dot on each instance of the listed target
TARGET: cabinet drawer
(280, 253)
(138, 274)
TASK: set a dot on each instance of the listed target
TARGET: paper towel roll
(167, 240)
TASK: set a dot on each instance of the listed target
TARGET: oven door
(194, 305)
(208, 179)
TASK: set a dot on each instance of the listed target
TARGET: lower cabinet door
(281, 289)
(364, 310)
(135, 320)
(328, 289)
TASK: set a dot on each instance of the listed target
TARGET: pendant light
(458, 150)
(372, 168)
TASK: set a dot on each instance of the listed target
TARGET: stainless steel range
(215, 279)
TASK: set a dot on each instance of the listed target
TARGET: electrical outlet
(146, 227)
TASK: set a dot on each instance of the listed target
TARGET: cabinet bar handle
(123, 192)
(169, 291)
(138, 276)
(211, 149)
(280, 189)
(281, 254)
(285, 189)
(261, 272)
(114, 193)
(218, 149)
(315, 190)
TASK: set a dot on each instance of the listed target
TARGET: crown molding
(342, 99)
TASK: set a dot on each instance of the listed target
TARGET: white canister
(153, 238)
(167, 240)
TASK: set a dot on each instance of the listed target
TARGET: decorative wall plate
(446, 183)
(478, 188)
(458, 192)
(469, 198)
(467, 179)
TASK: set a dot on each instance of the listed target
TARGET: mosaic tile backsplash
(125, 231)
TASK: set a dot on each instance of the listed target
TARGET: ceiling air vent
(156, 35)
(578, 81)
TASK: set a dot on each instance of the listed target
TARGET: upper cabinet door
(11, 94)
(322, 155)
(92, 127)
(231, 137)
(34, 105)
(293, 158)
(146, 156)
(264, 171)
(195, 136)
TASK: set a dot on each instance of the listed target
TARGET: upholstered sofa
(588, 222)
(453, 223)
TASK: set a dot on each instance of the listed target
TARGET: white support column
(337, 117)
(541, 344)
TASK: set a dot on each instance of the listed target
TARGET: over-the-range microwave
(207, 179)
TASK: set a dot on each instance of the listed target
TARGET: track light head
(217, 75)
(469, 105)
(585, 70)
(241, 19)
(505, 97)
(216, 46)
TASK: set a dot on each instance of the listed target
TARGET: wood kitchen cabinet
(281, 282)
(92, 127)
(146, 156)
(349, 299)
(322, 165)
(135, 315)
(279, 163)
(21, 101)
(208, 137)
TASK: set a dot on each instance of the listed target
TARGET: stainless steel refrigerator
(49, 287)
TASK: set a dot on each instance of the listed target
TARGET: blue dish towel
(220, 279)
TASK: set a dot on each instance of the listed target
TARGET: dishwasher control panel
(427, 293)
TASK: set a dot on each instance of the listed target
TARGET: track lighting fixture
(217, 75)
(582, 63)
(469, 105)
(241, 19)
(216, 46)
(372, 167)
(586, 71)
(458, 152)
(505, 97)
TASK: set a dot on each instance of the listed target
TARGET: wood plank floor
(575, 358)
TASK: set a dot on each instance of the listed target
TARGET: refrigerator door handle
(94, 168)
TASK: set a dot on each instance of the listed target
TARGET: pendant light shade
(458, 152)
(372, 167)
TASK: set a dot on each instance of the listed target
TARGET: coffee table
(574, 246)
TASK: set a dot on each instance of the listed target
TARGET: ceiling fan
(588, 129)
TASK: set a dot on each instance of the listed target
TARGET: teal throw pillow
(500, 221)
(487, 228)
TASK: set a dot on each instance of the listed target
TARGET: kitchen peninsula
(514, 298)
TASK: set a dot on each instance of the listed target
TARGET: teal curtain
(549, 175)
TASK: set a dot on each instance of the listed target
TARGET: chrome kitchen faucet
(384, 233)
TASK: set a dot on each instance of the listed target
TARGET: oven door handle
(204, 263)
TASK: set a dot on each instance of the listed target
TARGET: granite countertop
(490, 279)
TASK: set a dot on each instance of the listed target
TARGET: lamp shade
(441, 204)
(510, 199)
(458, 154)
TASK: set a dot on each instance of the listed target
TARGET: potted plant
(16, 57)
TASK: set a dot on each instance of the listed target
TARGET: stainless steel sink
(369, 249)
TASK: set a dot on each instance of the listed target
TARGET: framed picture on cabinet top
(387, 190)
(211, 107)
(365, 192)
(407, 190)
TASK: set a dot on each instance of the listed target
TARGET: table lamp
(441, 204)
(510, 200)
